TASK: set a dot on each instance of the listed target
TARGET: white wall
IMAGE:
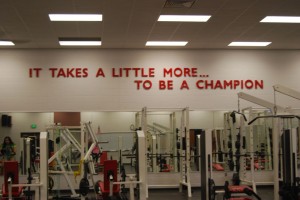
(109, 121)
(19, 92)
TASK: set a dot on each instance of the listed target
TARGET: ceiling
(130, 23)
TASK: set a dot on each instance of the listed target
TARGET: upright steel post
(144, 149)
(185, 153)
(275, 136)
(44, 165)
(143, 193)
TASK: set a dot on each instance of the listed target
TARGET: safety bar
(274, 116)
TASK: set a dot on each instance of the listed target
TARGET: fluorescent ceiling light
(166, 43)
(6, 43)
(75, 17)
(250, 44)
(281, 19)
(80, 43)
(183, 18)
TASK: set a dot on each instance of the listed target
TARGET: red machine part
(166, 168)
(11, 170)
(110, 168)
(103, 158)
(217, 167)
(238, 188)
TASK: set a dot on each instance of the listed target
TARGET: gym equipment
(11, 176)
(110, 188)
(29, 193)
(232, 190)
(286, 91)
(139, 179)
(141, 169)
(273, 108)
(159, 138)
(106, 188)
(103, 158)
(207, 183)
(266, 104)
(182, 149)
(12, 188)
(218, 144)
(84, 185)
(69, 141)
(217, 167)
(154, 145)
(30, 151)
(184, 152)
(234, 155)
(156, 133)
(211, 189)
(240, 156)
(288, 187)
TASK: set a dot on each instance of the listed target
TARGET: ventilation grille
(179, 3)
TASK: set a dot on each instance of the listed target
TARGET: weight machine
(274, 109)
(13, 189)
(286, 182)
(184, 153)
(286, 179)
(157, 131)
(30, 151)
(218, 143)
(87, 135)
(112, 189)
(208, 187)
(237, 161)
(236, 153)
(180, 149)
(207, 183)
(69, 141)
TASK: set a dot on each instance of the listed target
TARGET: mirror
(165, 126)
(259, 141)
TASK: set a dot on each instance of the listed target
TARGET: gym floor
(265, 192)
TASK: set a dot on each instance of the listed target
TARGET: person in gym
(8, 149)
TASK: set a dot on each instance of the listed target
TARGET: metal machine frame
(184, 154)
(69, 139)
(274, 109)
(278, 127)
(206, 162)
(296, 95)
(41, 184)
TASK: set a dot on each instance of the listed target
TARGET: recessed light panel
(6, 43)
(249, 44)
(183, 18)
(80, 43)
(74, 41)
(166, 43)
(75, 17)
(281, 19)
